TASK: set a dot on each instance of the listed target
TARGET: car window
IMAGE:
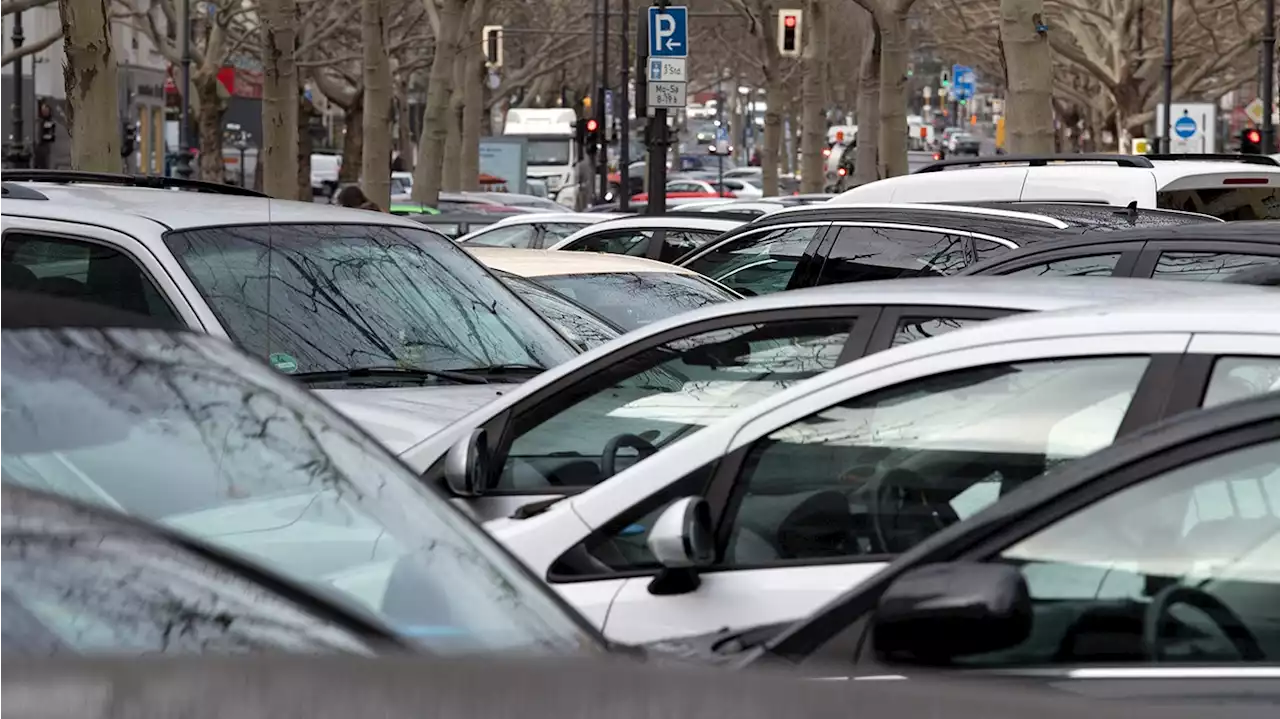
(634, 299)
(1087, 266)
(1236, 378)
(878, 474)
(886, 253)
(1182, 567)
(580, 324)
(520, 236)
(553, 232)
(986, 249)
(1208, 266)
(678, 243)
(84, 271)
(663, 394)
(614, 242)
(759, 263)
(911, 329)
(313, 298)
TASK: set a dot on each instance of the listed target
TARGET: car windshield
(186, 431)
(316, 298)
(548, 151)
(634, 299)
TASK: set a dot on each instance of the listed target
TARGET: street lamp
(184, 169)
(17, 155)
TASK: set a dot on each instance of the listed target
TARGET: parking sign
(669, 32)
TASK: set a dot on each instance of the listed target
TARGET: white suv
(405, 326)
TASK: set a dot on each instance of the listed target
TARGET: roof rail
(1037, 161)
(154, 182)
(1218, 157)
(11, 191)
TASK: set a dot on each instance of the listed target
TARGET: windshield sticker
(283, 362)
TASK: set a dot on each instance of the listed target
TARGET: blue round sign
(1185, 127)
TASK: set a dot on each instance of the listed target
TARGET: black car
(1150, 568)
(1227, 251)
(830, 244)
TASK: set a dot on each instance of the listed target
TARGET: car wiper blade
(409, 373)
(502, 371)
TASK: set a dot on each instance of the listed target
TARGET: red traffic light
(592, 125)
(1253, 136)
(789, 20)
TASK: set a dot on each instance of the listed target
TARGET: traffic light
(592, 127)
(128, 138)
(48, 129)
(1250, 142)
(789, 22)
(492, 35)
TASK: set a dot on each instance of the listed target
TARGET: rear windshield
(315, 298)
(1228, 203)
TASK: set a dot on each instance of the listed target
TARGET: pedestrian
(353, 196)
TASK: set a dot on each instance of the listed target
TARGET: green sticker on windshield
(283, 362)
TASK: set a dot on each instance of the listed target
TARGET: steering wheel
(1218, 612)
(902, 495)
(609, 455)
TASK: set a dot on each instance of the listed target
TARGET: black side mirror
(933, 614)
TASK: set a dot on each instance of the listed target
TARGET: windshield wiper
(504, 372)
(408, 373)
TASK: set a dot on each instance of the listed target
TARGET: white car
(345, 301)
(746, 208)
(658, 237)
(1229, 190)
(733, 187)
(630, 292)
(533, 230)
(766, 514)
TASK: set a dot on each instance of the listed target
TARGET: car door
(770, 259)
(1208, 261)
(820, 494)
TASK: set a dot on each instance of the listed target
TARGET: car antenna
(1130, 212)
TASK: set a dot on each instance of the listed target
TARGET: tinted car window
(634, 299)
(188, 432)
(553, 232)
(912, 329)
(885, 253)
(678, 243)
(514, 236)
(614, 242)
(1208, 266)
(1087, 266)
(330, 297)
(579, 323)
(759, 263)
(1236, 378)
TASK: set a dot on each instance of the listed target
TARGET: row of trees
(1095, 65)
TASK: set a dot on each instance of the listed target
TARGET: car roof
(1082, 213)
(543, 263)
(689, 221)
(584, 218)
(841, 211)
(140, 208)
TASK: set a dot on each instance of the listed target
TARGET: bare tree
(867, 165)
(446, 17)
(895, 50)
(1028, 62)
(813, 98)
(89, 74)
(279, 154)
(376, 165)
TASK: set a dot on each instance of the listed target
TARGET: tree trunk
(812, 172)
(473, 111)
(772, 151)
(209, 111)
(375, 175)
(404, 129)
(352, 141)
(867, 163)
(279, 153)
(306, 112)
(895, 50)
(89, 75)
(1029, 65)
(451, 173)
(429, 165)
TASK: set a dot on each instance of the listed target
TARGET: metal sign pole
(1268, 77)
(624, 102)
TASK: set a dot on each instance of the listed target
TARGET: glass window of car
(582, 326)
(1208, 266)
(878, 474)
(1236, 378)
(677, 243)
(337, 297)
(986, 249)
(1085, 266)
(758, 263)
(520, 236)
(886, 253)
(1207, 531)
(614, 242)
(911, 329)
(84, 271)
(634, 299)
(553, 232)
(186, 431)
(663, 394)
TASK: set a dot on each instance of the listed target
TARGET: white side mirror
(466, 466)
(682, 537)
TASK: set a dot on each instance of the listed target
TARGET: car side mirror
(683, 542)
(935, 613)
(467, 464)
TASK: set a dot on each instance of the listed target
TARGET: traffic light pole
(18, 155)
(1166, 139)
(184, 169)
(603, 153)
(624, 143)
(658, 138)
(1268, 77)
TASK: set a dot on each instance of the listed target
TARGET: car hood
(400, 417)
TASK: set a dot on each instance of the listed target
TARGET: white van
(1244, 190)
(552, 150)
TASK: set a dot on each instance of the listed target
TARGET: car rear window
(1225, 202)
(634, 299)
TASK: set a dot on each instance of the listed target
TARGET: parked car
(533, 231)
(746, 208)
(658, 237)
(584, 327)
(631, 292)
(807, 490)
